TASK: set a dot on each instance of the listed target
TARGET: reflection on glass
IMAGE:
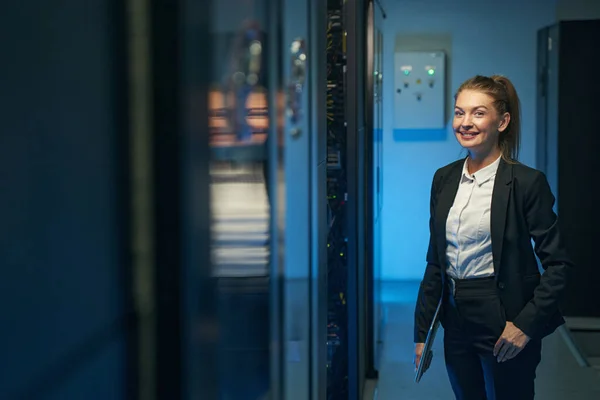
(378, 173)
(240, 206)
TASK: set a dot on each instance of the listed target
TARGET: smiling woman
(487, 119)
(493, 319)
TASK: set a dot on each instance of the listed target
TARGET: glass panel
(377, 171)
(303, 283)
(240, 203)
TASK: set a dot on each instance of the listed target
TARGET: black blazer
(521, 210)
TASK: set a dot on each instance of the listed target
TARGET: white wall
(487, 38)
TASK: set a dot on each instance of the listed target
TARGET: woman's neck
(478, 161)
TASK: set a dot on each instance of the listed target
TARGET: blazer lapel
(500, 199)
(445, 200)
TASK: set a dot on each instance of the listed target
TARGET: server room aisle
(559, 376)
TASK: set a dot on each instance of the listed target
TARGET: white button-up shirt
(468, 236)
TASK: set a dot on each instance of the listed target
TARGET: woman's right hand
(418, 354)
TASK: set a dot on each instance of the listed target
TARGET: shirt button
(501, 285)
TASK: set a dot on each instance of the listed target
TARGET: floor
(559, 375)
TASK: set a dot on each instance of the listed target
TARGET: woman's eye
(457, 113)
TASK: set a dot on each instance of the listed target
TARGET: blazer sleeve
(542, 223)
(430, 289)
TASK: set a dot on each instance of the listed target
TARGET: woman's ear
(504, 121)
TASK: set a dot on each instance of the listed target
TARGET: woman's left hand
(511, 343)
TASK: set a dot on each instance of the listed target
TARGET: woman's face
(476, 122)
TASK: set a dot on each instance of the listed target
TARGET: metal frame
(122, 109)
(296, 248)
(167, 184)
(378, 319)
(142, 345)
(275, 176)
(356, 164)
(301, 289)
(184, 292)
(371, 372)
(199, 291)
(319, 299)
(298, 192)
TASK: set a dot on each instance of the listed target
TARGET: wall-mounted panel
(419, 79)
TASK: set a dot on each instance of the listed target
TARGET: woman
(485, 209)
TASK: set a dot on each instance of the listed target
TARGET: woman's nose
(466, 123)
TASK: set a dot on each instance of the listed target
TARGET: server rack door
(185, 308)
(240, 174)
(302, 203)
(357, 140)
(337, 194)
(369, 151)
(347, 187)
(245, 104)
(371, 204)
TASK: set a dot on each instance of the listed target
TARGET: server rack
(372, 176)
(567, 143)
(349, 145)
(359, 144)
(337, 260)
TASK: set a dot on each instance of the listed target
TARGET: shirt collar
(483, 175)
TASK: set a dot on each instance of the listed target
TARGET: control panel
(419, 90)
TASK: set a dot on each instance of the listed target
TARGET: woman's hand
(511, 343)
(418, 354)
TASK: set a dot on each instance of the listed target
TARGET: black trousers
(473, 320)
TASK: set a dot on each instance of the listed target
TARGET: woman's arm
(430, 289)
(543, 228)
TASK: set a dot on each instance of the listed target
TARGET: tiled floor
(559, 375)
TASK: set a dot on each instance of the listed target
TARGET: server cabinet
(568, 141)
(267, 135)
(372, 175)
(349, 169)
(337, 181)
